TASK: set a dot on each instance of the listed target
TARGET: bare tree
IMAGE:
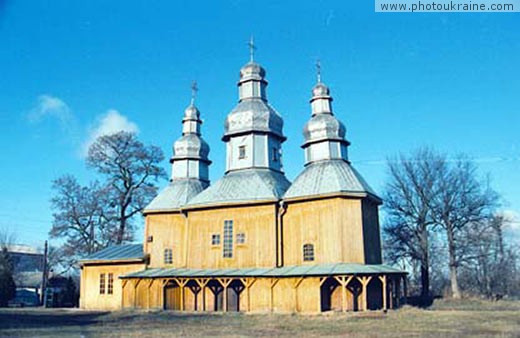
(412, 184)
(131, 170)
(79, 217)
(461, 200)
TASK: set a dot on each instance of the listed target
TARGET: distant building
(252, 240)
(28, 265)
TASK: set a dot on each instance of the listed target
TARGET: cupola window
(241, 238)
(241, 152)
(215, 239)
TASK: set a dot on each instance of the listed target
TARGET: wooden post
(295, 286)
(384, 290)
(273, 282)
(225, 283)
(202, 282)
(405, 289)
(364, 283)
(123, 284)
(343, 282)
(181, 282)
(136, 284)
(148, 293)
(247, 284)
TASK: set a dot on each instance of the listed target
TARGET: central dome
(190, 146)
(252, 71)
(323, 126)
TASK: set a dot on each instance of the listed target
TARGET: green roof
(288, 271)
(117, 253)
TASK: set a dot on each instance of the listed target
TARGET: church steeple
(190, 151)
(253, 129)
(324, 134)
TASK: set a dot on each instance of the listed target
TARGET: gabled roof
(242, 186)
(123, 252)
(287, 271)
(326, 177)
(177, 194)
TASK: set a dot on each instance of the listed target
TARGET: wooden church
(253, 241)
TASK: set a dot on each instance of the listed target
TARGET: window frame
(102, 283)
(308, 252)
(110, 283)
(242, 153)
(215, 240)
(240, 238)
(168, 256)
(227, 240)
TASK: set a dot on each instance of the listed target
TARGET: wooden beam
(202, 282)
(384, 290)
(272, 282)
(225, 283)
(364, 283)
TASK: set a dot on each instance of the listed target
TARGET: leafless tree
(79, 217)
(131, 170)
(413, 183)
(461, 200)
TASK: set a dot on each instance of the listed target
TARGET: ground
(471, 318)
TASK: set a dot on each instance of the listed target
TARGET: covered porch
(318, 288)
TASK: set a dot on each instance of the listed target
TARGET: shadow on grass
(36, 318)
(420, 301)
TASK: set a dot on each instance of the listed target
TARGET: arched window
(308, 252)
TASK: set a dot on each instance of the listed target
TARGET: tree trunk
(425, 265)
(453, 264)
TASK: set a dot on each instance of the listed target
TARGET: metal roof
(244, 185)
(176, 194)
(117, 252)
(288, 271)
(329, 176)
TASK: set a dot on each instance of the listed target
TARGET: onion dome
(323, 125)
(253, 113)
(191, 145)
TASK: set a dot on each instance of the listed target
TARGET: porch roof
(287, 271)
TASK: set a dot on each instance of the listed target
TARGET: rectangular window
(110, 284)
(241, 152)
(241, 238)
(227, 249)
(308, 252)
(215, 239)
(102, 284)
(168, 256)
(149, 239)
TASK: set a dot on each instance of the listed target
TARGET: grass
(470, 318)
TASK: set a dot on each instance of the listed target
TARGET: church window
(308, 252)
(227, 249)
(110, 284)
(241, 238)
(242, 152)
(215, 239)
(149, 239)
(168, 256)
(102, 284)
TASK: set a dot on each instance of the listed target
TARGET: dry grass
(470, 318)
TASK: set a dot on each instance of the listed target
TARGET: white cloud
(51, 107)
(110, 123)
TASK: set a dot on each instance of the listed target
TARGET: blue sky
(70, 70)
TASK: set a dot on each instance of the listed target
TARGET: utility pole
(43, 298)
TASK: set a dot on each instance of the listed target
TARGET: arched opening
(216, 304)
(234, 290)
(375, 294)
(354, 289)
(330, 295)
(172, 296)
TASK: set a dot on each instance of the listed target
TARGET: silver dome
(191, 113)
(190, 146)
(323, 126)
(252, 71)
(320, 90)
(253, 115)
